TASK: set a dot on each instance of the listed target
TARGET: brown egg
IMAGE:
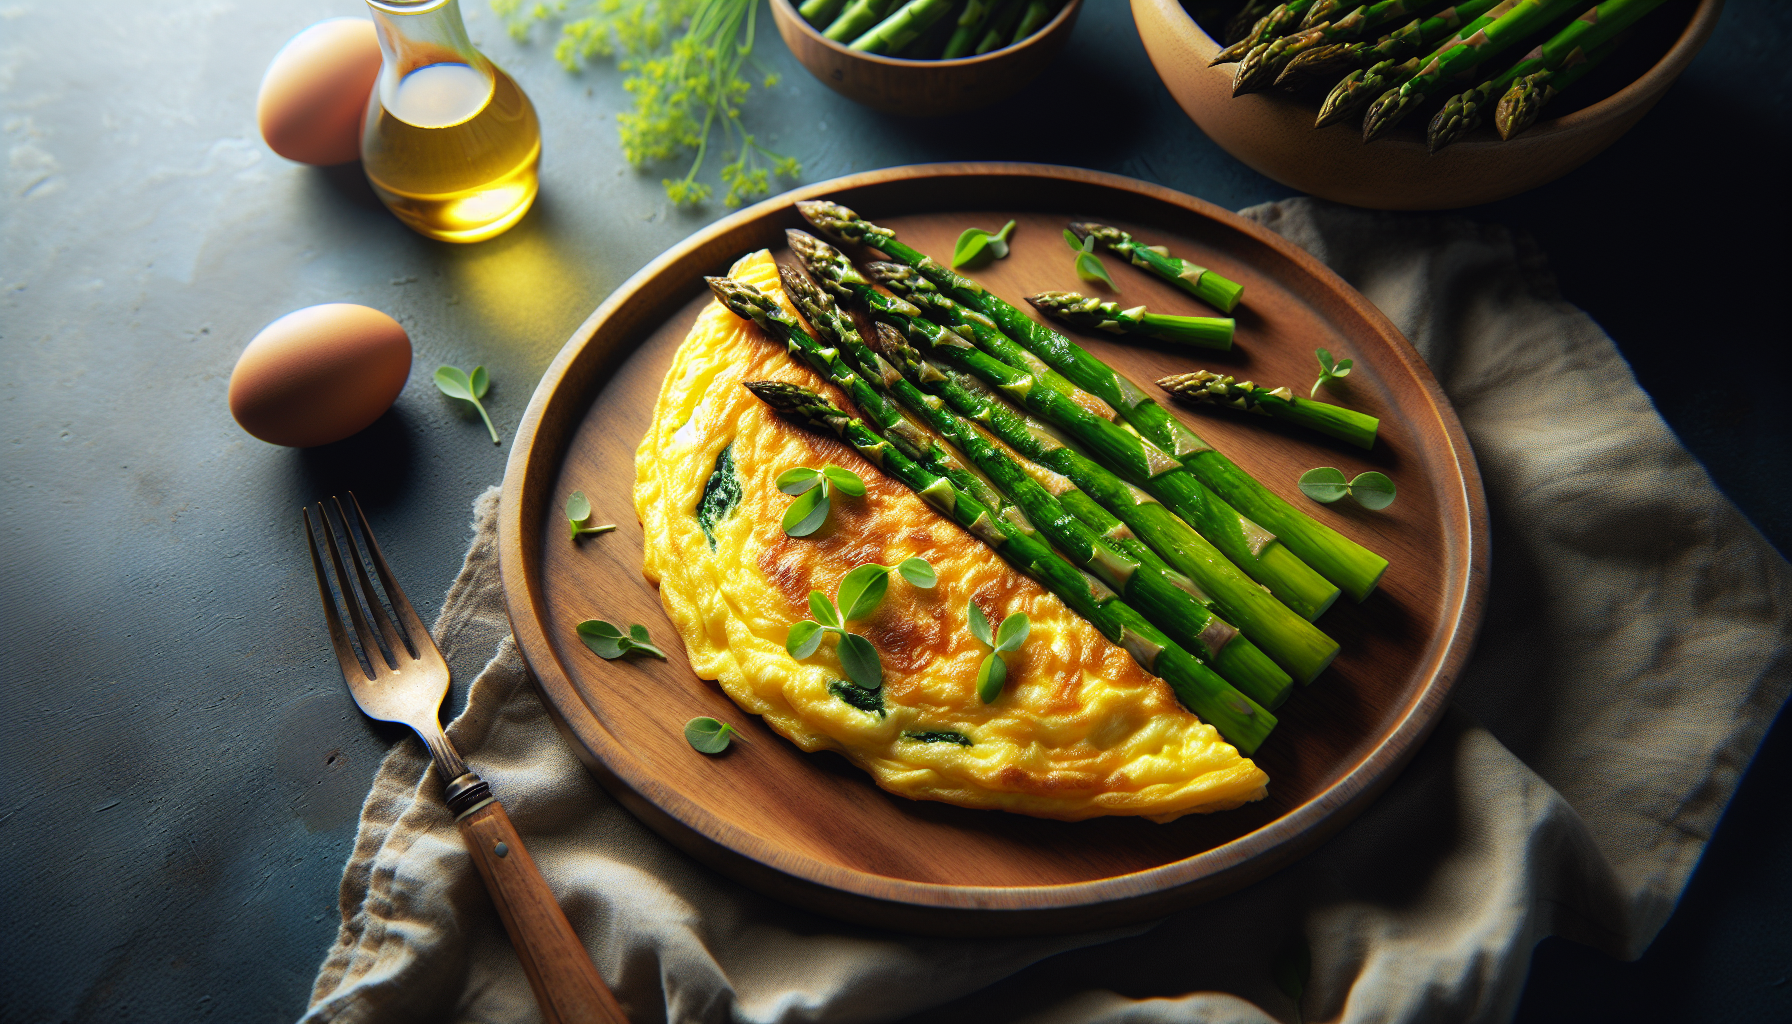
(319, 374)
(315, 92)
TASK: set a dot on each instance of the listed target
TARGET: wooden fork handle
(566, 984)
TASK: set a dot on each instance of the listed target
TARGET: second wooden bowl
(1273, 132)
(923, 88)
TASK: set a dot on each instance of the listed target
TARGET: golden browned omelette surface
(1080, 729)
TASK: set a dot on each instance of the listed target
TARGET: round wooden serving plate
(812, 829)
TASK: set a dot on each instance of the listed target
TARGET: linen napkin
(1634, 651)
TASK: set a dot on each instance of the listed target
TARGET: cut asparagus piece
(901, 27)
(1346, 563)
(1504, 26)
(858, 16)
(1219, 292)
(1240, 720)
(969, 29)
(1096, 314)
(1167, 597)
(1464, 112)
(820, 13)
(1000, 25)
(1206, 387)
(1521, 104)
(1032, 19)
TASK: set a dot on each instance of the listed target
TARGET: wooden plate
(812, 829)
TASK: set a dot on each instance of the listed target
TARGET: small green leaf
(1328, 370)
(798, 480)
(938, 736)
(578, 508)
(1013, 632)
(638, 633)
(918, 572)
(846, 480)
(804, 638)
(1324, 484)
(862, 590)
(806, 514)
(1325, 360)
(452, 381)
(979, 624)
(1372, 490)
(972, 246)
(869, 701)
(708, 736)
(604, 639)
(1291, 971)
(824, 610)
(1074, 242)
(1089, 268)
(991, 675)
(859, 659)
(479, 382)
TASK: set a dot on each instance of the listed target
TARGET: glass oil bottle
(450, 144)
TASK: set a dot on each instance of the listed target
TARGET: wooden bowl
(813, 830)
(923, 88)
(1273, 131)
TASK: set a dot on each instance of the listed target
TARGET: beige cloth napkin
(1635, 648)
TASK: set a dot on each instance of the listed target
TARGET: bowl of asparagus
(925, 58)
(1419, 104)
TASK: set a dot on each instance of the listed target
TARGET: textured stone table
(182, 765)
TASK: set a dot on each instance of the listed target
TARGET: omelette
(1079, 731)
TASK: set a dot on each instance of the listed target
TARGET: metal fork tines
(398, 675)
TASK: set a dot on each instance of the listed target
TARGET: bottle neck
(431, 76)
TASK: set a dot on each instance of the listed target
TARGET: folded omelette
(1080, 729)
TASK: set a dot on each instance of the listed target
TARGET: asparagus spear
(1377, 67)
(1095, 314)
(1192, 278)
(1037, 13)
(1274, 25)
(1203, 386)
(1264, 64)
(858, 16)
(1510, 22)
(1215, 524)
(1519, 107)
(1240, 720)
(749, 303)
(1351, 566)
(902, 27)
(820, 13)
(969, 28)
(1000, 26)
(1463, 112)
(1246, 17)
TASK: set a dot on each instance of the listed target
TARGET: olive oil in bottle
(451, 145)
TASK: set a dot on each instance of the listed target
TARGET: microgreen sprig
(708, 736)
(993, 673)
(610, 643)
(813, 489)
(1328, 370)
(578, 513)
(456, 383)
(1088, 265)
(1371, 490)
(860, 592)
(977, 247)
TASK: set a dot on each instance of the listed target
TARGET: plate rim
(928, 906)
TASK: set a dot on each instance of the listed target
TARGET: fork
(408, 689)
